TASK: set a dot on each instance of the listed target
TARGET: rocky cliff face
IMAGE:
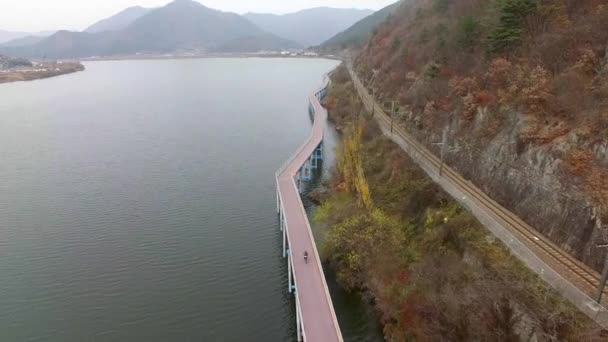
(521, 87)
(429, 267)
(529, 180)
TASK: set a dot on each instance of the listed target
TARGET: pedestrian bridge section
(315, 317)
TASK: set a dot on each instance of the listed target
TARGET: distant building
(10, 63)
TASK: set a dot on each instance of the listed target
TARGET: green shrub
(441, 6)
(424, 36)
(513, 14)
(396, 43)
(469, 31)
(442, 40)
(432, 71)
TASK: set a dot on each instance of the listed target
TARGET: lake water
(137, 201)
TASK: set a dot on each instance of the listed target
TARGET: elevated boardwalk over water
(315, 317)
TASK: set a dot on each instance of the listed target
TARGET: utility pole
(392, 114)
(602, 283)
(444, 143)
(353, 102)
(373, 102)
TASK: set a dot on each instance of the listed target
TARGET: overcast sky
(39, 15)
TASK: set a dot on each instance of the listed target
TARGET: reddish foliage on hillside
(549, 65)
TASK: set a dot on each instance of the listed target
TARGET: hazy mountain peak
(309, 26)
(333, 9)
(6, 36)
(184, 3)
(120, 20)
(359, 32)
(187, 4)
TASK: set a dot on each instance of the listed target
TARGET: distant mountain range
(27, 40)
(360, 32)
(188, 26)
(182, 25)
(119, 21)
(309, 27)
(7, 36)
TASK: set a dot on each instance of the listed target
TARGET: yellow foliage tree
(350, 166)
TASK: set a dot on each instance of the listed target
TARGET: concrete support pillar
(284, 242)
(298, 320)
(299, 181)
(316, 156)
(307, 169)
(289, 270)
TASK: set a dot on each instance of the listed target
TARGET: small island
(19, 69)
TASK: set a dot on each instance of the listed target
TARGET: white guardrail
(314, 97)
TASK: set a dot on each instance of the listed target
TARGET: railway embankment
(428, 265)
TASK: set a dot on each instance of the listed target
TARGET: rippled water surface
(137, 200)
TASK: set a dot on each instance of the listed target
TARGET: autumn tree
(363, 244)
(350, 166)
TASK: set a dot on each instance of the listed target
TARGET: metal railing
(314, 100)
(326, 82)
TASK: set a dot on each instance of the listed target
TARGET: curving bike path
(316, 318)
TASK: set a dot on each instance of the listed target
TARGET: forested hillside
(521, 88)
(432, 272)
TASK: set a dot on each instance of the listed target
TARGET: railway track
(576, 269)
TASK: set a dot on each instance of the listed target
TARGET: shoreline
(161, 57)
(28, 75)
(38, 74)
